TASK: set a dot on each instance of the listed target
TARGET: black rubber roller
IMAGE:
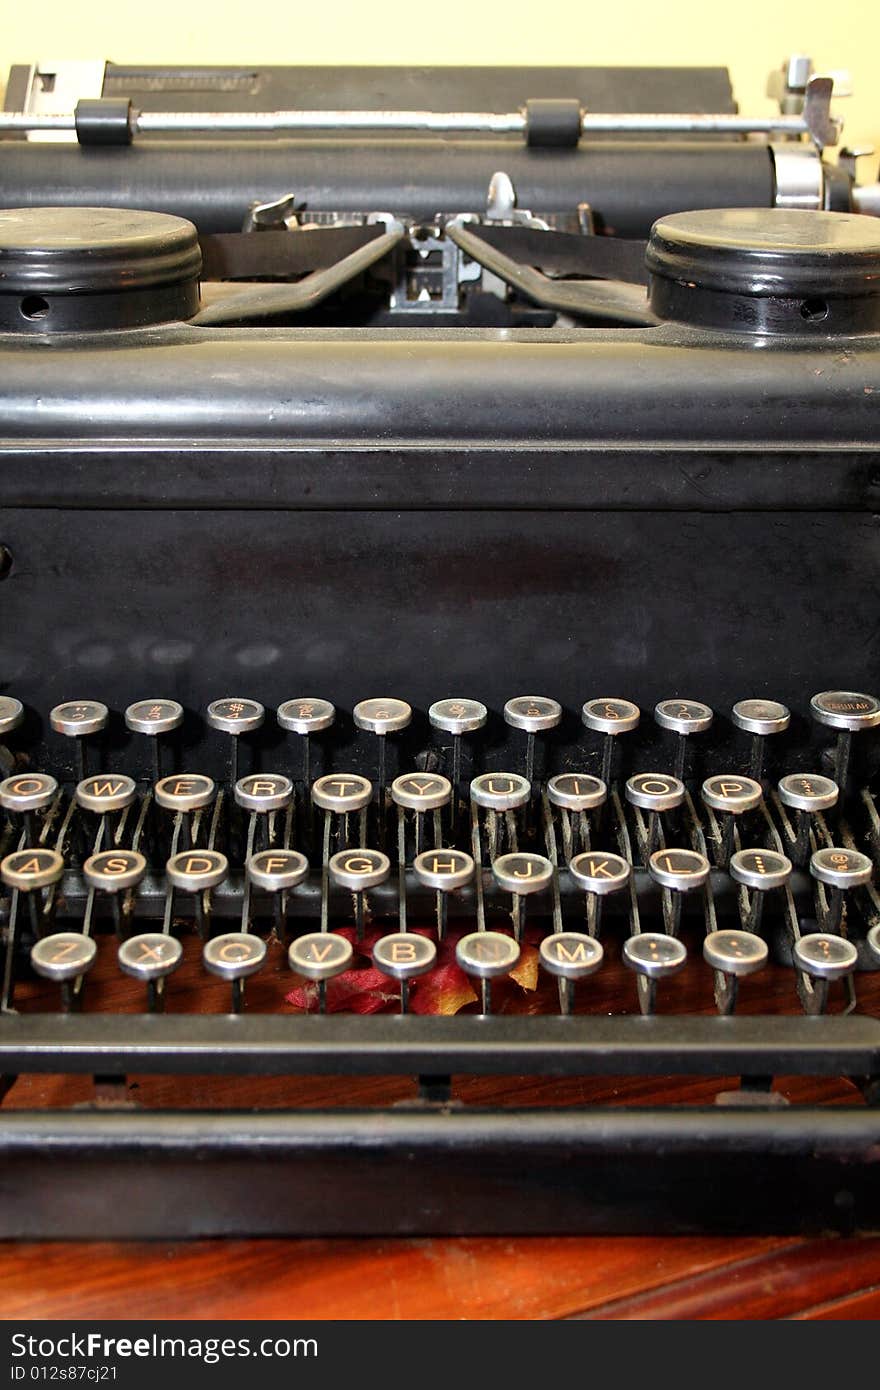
(552, 121)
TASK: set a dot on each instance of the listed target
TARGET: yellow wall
(750, 36)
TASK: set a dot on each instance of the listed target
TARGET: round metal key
(11, 713)
(522, 873)
(360, 869)
(150, 955)
(234, 715)
(571, 954)
(841, 868)
(732, 794)
(28, 791)
(679, 869)
(421, 791)
(378, 716)
(63, 956)
(77, 718)
(154, 717)
(457, 716)
(598, 871)
(533, 713)
(500, 791)
(824, 956)
(342, 792)
(576, 791)
(108, 791)
(276, 870)
(846, 709)
(737, 953)
(655, 791)
(873, 942)
(443, 869)
(761, 716)
(654, 954)
(234, 955)
(610, 715)
(486, 954)
(114, 870)
(320, 955)
(264, 792)
(306, 715)
(808, 791)
(27, 869)
(184, 791)
(404, 955)
(761, 869)
(194, 870)
(683, 717)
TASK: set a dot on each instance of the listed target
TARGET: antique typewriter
(338, 410)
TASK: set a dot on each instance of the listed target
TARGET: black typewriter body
(679, 504)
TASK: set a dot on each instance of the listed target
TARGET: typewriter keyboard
(302, 887)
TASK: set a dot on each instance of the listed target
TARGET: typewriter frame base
(435, 1170)
(428, 1167)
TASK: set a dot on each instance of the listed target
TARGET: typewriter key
(610, 716)
(840, 870)
(28, 792)
(533, 714)
(576, 791)
(64, 956)
(486, 954)
(11, 713)
(823, 957)
(807, 793)
(500, 791)
(79, 719)
(685, 718)
(276, 870)
(730, 796)
(235, 716)
(404, 956)
(760, 718)
(234, 956)
(382, 716)
(653, 956)
(679, 871)
(421, 791)
(733, 955)
(849, 713)
(184, 792)
(106, 793)
(196, 870)
(29, 869)
(320, 956)
(306, 715)
(873, 943)
(600, 871)
(457, 717)
(154, 718)
(359, 869)
(443, 870)
(263, 792)
(150, 957)
(342, 792)
(760, 870)
(522, 874)
(570, 956)
(654, 792)
(114, 870)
